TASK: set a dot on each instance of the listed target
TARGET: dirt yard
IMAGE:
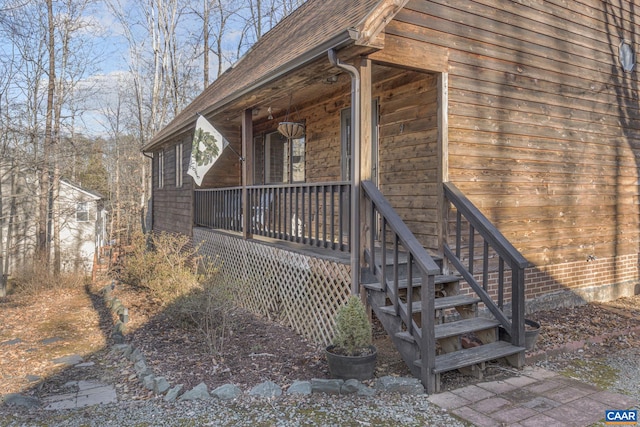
(37, 332)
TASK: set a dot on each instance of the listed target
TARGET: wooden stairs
(464, 340)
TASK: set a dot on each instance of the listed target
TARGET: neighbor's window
(82, 212)
(179, 165)
(160, 169)
(284, 160)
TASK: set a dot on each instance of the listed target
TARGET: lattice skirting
(301, 291)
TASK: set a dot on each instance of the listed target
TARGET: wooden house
(462, 162)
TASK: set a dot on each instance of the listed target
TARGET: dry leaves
(258, 349)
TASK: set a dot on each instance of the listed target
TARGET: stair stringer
(409, 351)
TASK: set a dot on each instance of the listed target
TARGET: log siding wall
(543, 122)
(408, 149)
(173, 206)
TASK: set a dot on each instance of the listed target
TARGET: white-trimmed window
(161, 169)
(179, 165)
(82, 212)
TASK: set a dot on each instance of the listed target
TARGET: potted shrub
(352, 355)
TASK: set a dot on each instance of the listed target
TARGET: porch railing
(314, 214)
(481, 248)
(396, 240)
(218, 208)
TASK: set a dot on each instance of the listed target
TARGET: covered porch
(300, 231)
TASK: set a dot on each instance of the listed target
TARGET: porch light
(291, 130)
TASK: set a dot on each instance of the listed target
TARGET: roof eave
(341, 40)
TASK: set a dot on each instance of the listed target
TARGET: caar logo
(621, 417)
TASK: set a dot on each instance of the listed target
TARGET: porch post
(442, 211)
(247, 171)
(366, 155)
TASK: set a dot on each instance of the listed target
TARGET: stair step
(402, 257)
(472, 356)
(455, 301)
(453, 329)
(440, 304)
(464, 326)
(402, 283)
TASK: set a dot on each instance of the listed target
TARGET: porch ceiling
(293, 90)
(288, 59)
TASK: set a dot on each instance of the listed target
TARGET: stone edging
(268, 389)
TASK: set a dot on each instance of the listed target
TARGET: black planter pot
(351, 367)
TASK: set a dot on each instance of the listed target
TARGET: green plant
(352, 333)
(166, 264)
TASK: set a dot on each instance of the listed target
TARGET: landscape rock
(72, 359)
(226, 392)
(141, 368)
(160, 385)
(390, 384)
(148, 381)
(331, 386)
(199, 392)
(119, 327)
(16, 399)
(173, 393)
(124, 349)
(52, 340)
(267, 389)
(350, 386)
(85, 365)
(118, 338)
(135, 355)
(300, 387)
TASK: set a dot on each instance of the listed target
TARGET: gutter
(355, 168)
(339, 41)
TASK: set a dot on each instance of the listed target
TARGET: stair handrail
(422, 258)
(499, 243)
(427, 267)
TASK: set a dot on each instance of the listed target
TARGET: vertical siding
(543, 122)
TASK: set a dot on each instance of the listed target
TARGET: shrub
(207, 308)
(352, 330)
(38, 277)
(166, 264)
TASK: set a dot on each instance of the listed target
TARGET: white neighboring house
(82, 226)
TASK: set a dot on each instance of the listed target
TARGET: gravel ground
(314, 410)
(611, 363)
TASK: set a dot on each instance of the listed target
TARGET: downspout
(355, 168)
(148, 227)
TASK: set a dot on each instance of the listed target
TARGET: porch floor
(342, 257)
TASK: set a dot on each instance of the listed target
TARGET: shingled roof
(301, 37)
